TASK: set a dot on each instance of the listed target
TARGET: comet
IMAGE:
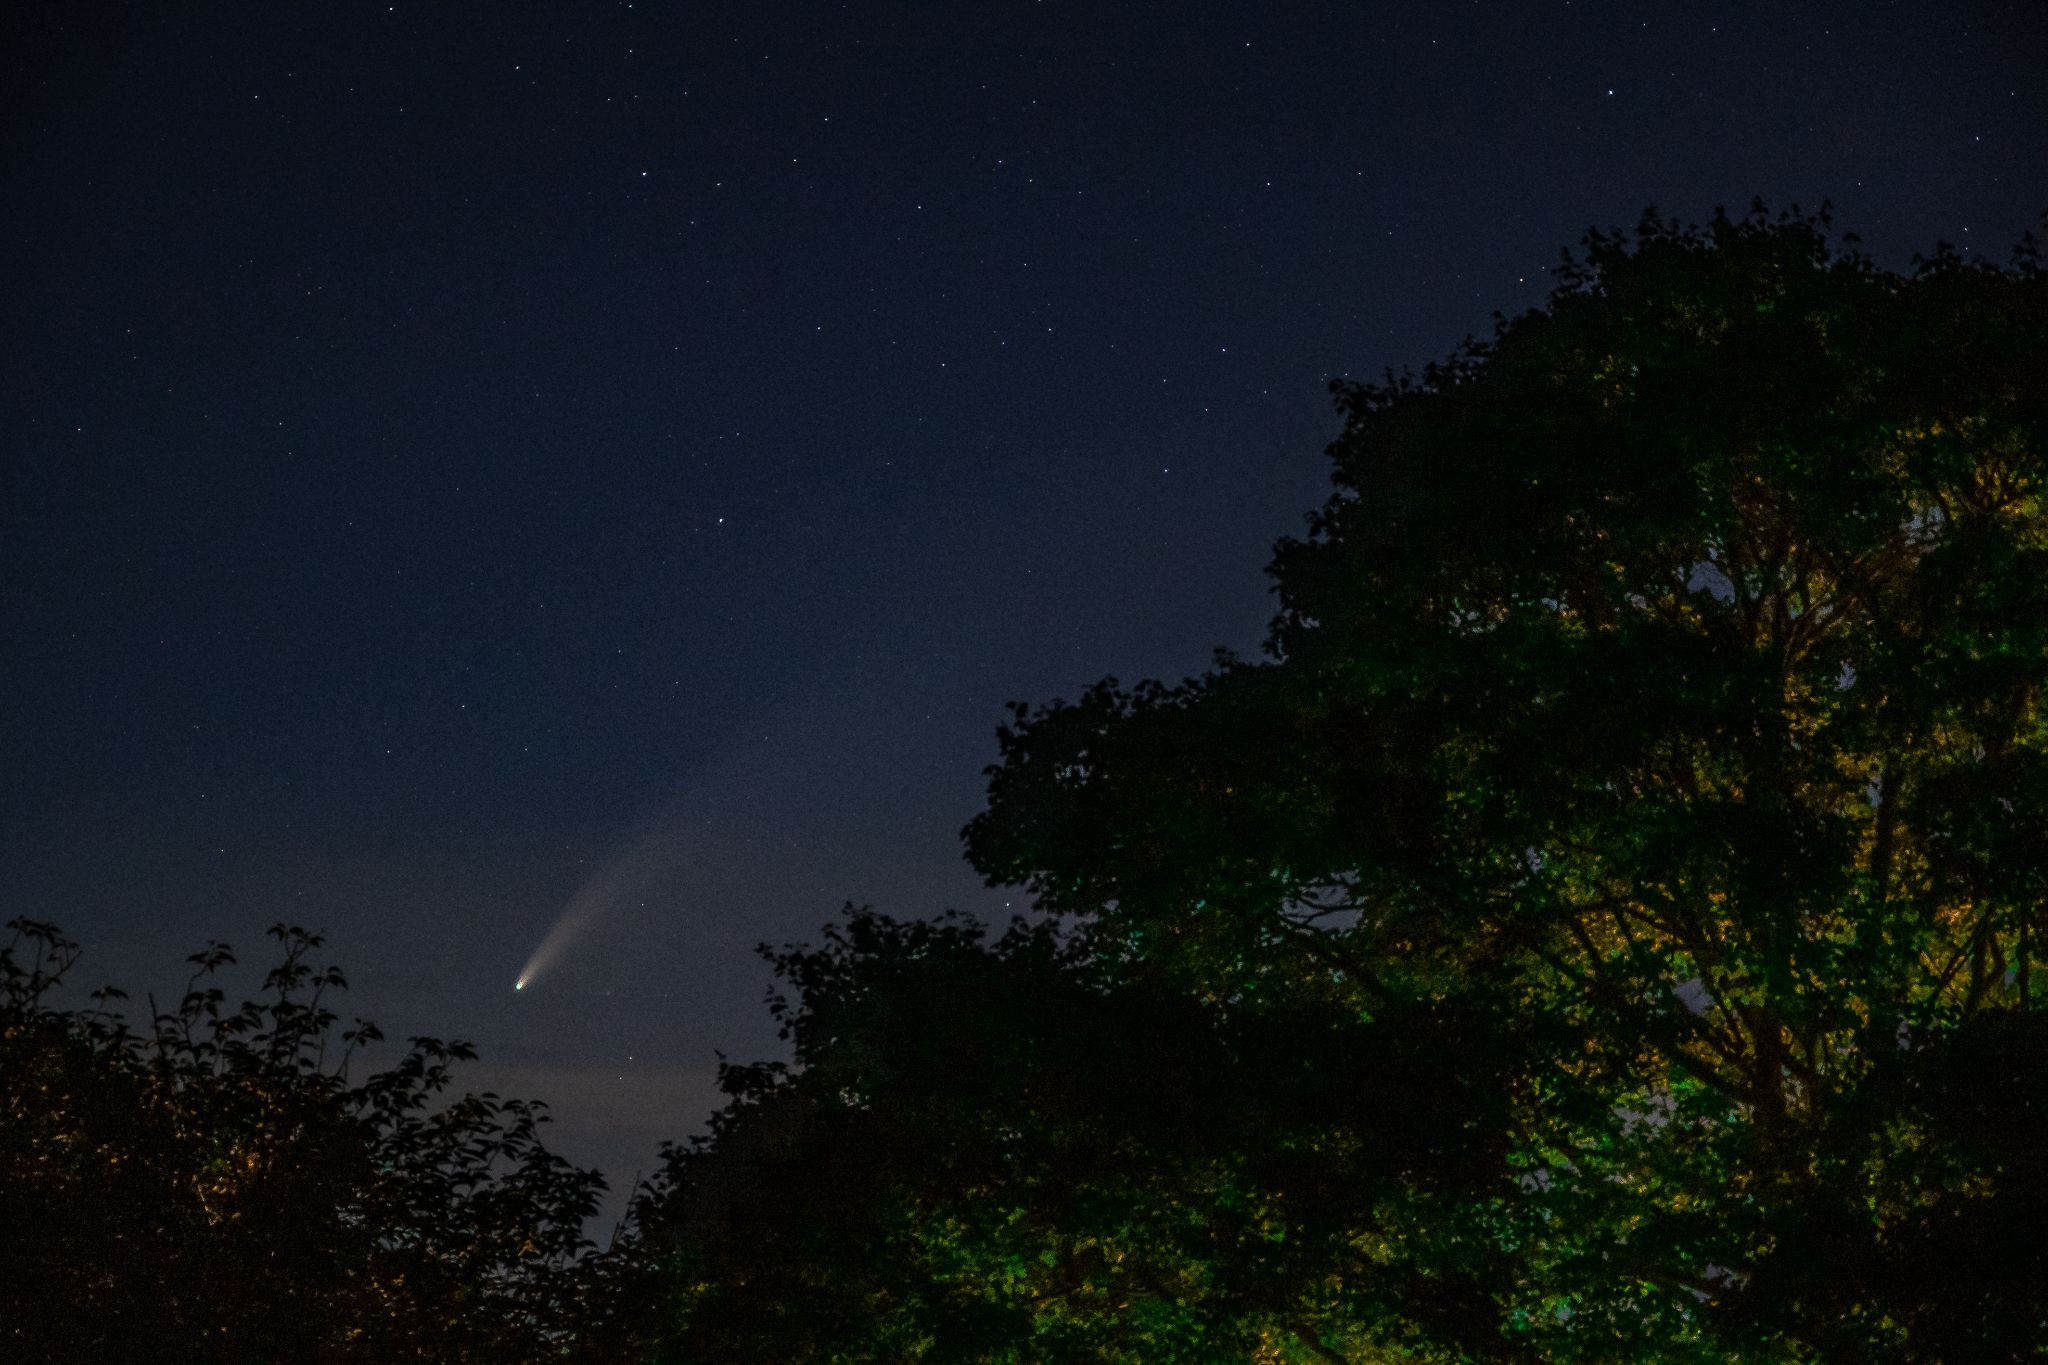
(629, 873)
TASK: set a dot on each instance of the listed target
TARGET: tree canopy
(219, 1186)
(1604, 925)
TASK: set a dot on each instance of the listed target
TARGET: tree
(1016, 1151)
(221, 1188)
(1666, 670)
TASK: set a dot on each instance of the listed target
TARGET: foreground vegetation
(219, 1186)
(1604, 927)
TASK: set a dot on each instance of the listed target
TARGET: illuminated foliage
(1669, 667)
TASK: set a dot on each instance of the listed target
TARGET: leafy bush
(222, 1186)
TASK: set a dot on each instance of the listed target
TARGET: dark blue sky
(461, 457)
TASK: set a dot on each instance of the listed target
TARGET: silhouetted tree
(219, 1187)
(1603, 928)
(1014, 1151)
(1669, 670)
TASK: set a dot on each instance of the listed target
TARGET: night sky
(462, 461)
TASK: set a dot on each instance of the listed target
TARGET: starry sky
(464, 462)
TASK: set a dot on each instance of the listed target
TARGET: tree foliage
(220, 1187)
(1670, 668)
(1605, 925)
(1013, 1151)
